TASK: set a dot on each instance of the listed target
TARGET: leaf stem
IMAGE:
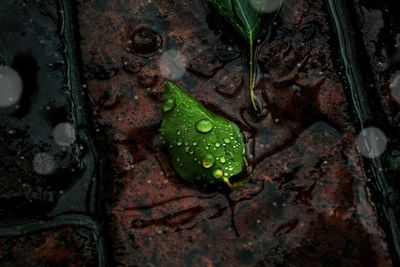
(251, 71)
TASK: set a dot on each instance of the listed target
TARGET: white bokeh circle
(64, 134)
(10, 87)
(43, 164)
(395, 87)
(371, 142)
(266, 6)
(172, 64)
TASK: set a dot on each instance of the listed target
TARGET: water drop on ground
(145, 42)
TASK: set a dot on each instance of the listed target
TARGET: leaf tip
(171, 88)
(168, 85)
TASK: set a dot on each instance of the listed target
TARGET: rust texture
(305, 201)
(67, 246)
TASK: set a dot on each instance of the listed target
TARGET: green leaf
(252, 19)
(202, 146)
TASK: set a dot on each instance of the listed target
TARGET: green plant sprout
(203, 146)
(252, 19)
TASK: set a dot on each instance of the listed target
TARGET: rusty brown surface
(305, 201)
(67, 246)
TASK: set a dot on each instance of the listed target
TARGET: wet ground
(109, 196)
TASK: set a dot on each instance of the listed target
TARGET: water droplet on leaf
(204, 126)
(169, 104)
(208, 161)
(218, 173)
(195, 132)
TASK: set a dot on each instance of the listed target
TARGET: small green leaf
(202, 146)
(252, 19)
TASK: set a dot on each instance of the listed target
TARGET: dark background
(114, 200)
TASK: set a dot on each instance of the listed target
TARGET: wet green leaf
(202, 146)
(252, 19)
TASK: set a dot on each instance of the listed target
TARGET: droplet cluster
(202, 145)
